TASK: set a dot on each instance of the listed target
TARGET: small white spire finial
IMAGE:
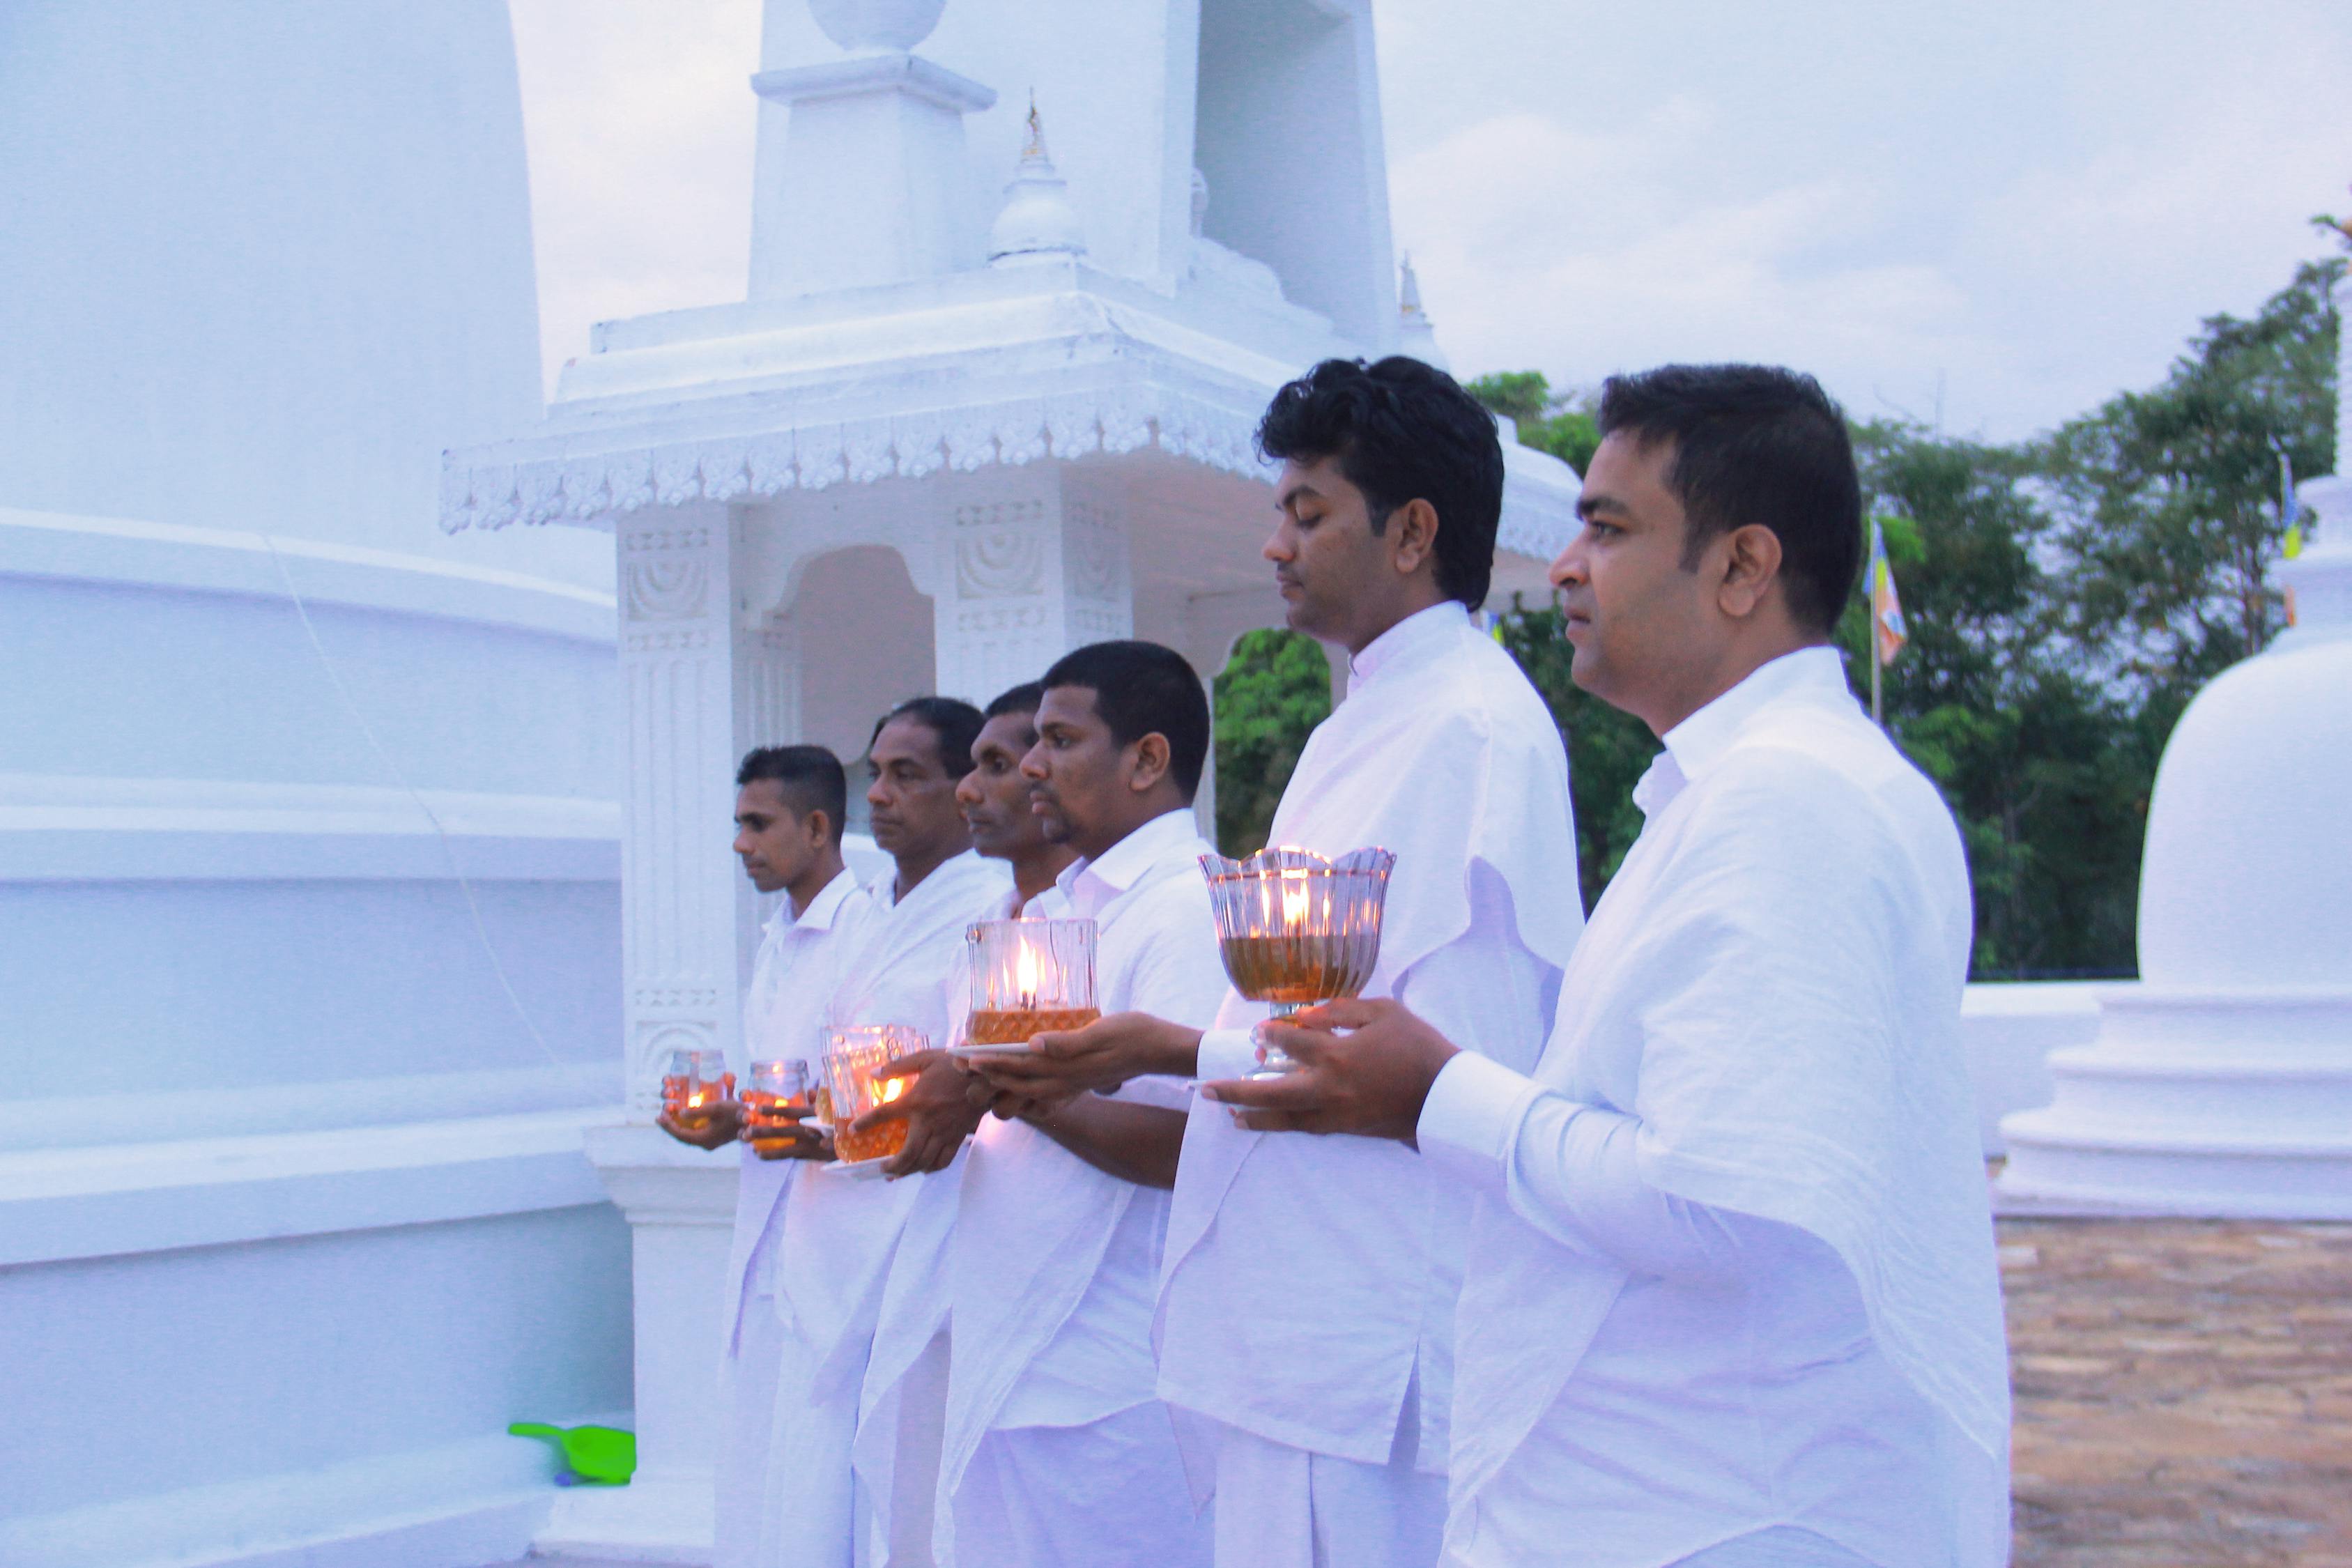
(1415, 336)
(1038, 222)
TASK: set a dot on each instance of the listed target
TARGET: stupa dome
(864, 25)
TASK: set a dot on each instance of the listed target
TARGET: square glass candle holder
(1029, 977)
(1296, 929)
(858, 1052)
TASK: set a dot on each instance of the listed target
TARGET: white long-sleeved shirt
(792, 980)
(1732, 1268)
(1308, 1282)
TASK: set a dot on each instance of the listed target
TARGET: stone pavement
(2184, 1392)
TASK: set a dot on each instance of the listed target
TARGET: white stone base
(2235, 1105)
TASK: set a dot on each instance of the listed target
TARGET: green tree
(1563, 425)
(2168, 499)
(1270, 696)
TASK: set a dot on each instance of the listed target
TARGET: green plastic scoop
(603, 1454)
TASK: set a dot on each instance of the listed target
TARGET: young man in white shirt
(995, 799)
(1732, 1297)
(1059, 1449)
(1306, 1311)
(790, 806)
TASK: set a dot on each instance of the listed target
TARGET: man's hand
(1103, 1055)
(938, 1113)
(795, 1139)
(1372, 1080)
(716, 1127)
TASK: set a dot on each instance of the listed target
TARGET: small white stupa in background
(2222, 1084)
(1416, 335)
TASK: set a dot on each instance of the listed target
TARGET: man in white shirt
(854, 1455)
(1731, 1297)
(1059, 1449)
(995, 799)
(789, 809)
(1306, 1311)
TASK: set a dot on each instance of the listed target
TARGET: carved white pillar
(690, 679)
(1039, 566)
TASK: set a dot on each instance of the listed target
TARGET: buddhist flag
(1885, 607)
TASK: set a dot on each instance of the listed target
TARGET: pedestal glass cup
(775, 1098)
(695, 1082)
(1296, 929)
(849, 1067)
(1029, 977)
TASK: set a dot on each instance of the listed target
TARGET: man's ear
(1412, 536)
(1752, 566)
(1150, 764)
(818, 825)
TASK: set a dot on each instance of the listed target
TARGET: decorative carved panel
(1000, 549)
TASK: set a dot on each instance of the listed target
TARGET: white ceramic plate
(968, 1052)
(860, 1170)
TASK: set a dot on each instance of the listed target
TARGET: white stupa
(308, 829)
(2222, 1084)
(984, 402)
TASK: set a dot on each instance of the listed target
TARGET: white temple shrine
(1016, 304)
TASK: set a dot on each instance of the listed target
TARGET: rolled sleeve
(1227, 1054)
(1471, 1121)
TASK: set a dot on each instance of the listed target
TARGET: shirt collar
(1692, 746)
(1116, 869)
(1418, 629)
(819, 915)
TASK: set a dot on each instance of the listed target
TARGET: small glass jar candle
(775, 1098)
(695, 1085)
(858, 1052)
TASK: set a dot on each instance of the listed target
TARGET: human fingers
(1346, 1013)
(1309, 1046)
(1292, 1091)
(890, 1111)
(911, 1064)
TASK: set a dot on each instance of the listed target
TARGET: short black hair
(810, 778)
(1143, 689)
(952, 721)
(1022, 699)
(1402, 430)
(1754, 444)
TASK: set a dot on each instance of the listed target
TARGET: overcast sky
(2006, 209)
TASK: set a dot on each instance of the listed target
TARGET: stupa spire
(1038, 221)
(1415, 335)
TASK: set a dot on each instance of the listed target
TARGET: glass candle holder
(695, 1084)
(1029, 977)
(775, 1098)
(1296, 929)
(858, 1052)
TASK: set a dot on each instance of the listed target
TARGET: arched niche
(865, 639)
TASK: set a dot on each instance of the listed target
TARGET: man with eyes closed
(1305, 1305)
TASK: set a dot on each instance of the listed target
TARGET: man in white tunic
(789, 812)
(854, 1455)
(1058, 1450)
(1732, 1297)
(1305, 1311)
(996, 800)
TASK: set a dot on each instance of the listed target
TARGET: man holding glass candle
(1306, 1307)
(790, 806)
(1732, 1297)
(1058, 1449)
(855, 1455)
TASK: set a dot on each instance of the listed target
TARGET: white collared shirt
(1310, 1282)
(1732, 1268)
(792, 977)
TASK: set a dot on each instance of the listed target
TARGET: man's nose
(967, 789)
(1567, 567)
(1032, 762)
(1278, 548)
(877, 794)
(743, 842)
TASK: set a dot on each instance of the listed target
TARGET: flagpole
(1875, 715)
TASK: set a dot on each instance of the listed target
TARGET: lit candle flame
(1025, 976)
(1294, 900)
(891, 1090)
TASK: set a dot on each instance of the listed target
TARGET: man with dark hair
(1731, 1299)
(857, 1441)
(1305, 1309)
(1057, 1448)
(788, 820)
(994, 797)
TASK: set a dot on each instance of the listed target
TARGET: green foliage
(1271, 694)
(1607, 751)
(2065, 598)
(2167, 500)
(1560, 425)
